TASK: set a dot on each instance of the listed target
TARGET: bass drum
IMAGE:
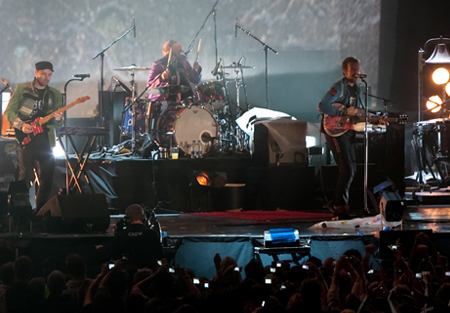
(183, 125)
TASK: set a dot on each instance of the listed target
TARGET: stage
(242, 203)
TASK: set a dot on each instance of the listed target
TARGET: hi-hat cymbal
(168, 90)
(132, 68)
(237, 66)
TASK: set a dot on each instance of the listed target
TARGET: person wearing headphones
(136, 242)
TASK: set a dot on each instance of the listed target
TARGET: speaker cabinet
(279, 141)
(74, 214)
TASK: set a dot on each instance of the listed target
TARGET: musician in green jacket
(29, 101)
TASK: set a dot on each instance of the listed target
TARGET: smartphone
(419, 275)
(273, 270)
(237, 269)
(268, 281)
(305, 267)
(370, 272)
(110, 265)
(393, 247)
(263, 303)
(282, 287)
(206, 285)
(278, 264)
(447, 273)
(171, 270)
(196, 281)
(159, 262)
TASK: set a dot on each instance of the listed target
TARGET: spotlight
(440, 76)
(447, 89)
(434, 104)
(203, 179)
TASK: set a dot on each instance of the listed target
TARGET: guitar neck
(48, 117)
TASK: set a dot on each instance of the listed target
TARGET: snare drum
(141, 113)
(212, 93)
(182, 125)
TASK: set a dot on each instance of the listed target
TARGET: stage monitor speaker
(392, 205)
(75, 214)
(281, 141)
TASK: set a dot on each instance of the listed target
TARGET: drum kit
(431, 142)
(205, 121)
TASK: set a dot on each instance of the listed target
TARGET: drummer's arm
(195, 73)
(153, 79)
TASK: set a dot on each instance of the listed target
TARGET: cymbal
(237, 66)
(132, 68)
(168, 90)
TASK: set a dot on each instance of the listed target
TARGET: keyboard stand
(82, 156)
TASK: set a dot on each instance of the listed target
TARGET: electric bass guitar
(336, 126)
(37, 122)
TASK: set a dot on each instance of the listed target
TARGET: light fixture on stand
(440, 60)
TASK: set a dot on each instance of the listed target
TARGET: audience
(349, 284)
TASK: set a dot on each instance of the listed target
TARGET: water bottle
(199, 149)
(193, 147)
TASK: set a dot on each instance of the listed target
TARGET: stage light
(436, 67)
(447, 89)
(434, 104)
(440, 76)
(203, 179)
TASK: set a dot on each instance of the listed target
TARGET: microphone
(82, 76)
(134, 27)
(360, 75)
(214, 71)
(7, 84)
(124, 87)
(235, 27)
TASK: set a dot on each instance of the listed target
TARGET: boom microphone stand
(213, 12)
(102, 54)
(266, 48)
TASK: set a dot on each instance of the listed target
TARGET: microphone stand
(366, 147)
(102, 55)
(385, 101)
(213, 12)
(266, 48)
(80, 79)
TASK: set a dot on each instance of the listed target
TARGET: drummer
(179, 72)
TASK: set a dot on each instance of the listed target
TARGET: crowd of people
(418, 282)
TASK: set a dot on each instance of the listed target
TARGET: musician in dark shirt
(344, 98)
(28, 101)
(137, 243)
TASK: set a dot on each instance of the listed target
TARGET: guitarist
(28, 101)
(343, 99)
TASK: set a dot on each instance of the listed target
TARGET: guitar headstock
(82, 99)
